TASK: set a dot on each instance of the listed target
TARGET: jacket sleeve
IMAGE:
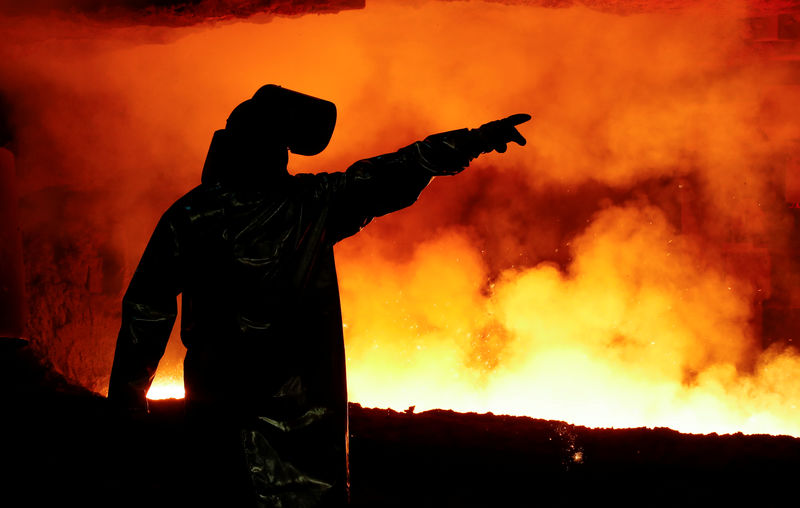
(149, 309)
(386, 183)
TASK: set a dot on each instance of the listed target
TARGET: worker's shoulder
(209, 200)
(202, 200)
(319, 183)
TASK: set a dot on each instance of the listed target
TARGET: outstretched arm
(149, 309)
(380, 185)
(451, 152)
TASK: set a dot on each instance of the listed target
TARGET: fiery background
(634, 265)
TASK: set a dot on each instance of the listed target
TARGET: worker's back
(259, 286)
(262, 325)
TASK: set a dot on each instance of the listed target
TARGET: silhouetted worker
(251, 250)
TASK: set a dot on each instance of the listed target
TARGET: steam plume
(590, 265)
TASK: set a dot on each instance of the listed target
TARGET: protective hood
(304, 123)
(274, 119)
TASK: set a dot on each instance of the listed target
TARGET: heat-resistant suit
(252, 255)
(261, 318)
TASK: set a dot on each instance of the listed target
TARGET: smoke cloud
(587, 276)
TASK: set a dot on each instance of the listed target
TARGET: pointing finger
(517, 119)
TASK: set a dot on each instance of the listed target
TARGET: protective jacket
(261, 318)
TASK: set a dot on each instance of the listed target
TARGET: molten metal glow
(635, 333)
(591, 276)
(167, 389)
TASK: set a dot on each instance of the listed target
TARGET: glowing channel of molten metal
(172, 389)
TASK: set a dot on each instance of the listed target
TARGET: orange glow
(610, 343)
(168, 383)
(167, 389)
(500, 290)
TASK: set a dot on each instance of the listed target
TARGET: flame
(636, 332)
(591, 276)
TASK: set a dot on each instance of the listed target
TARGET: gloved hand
(497, 134)
(449, 153)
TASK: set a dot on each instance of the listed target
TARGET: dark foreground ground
(62, 446)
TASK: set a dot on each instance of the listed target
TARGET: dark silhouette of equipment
(251, 251)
